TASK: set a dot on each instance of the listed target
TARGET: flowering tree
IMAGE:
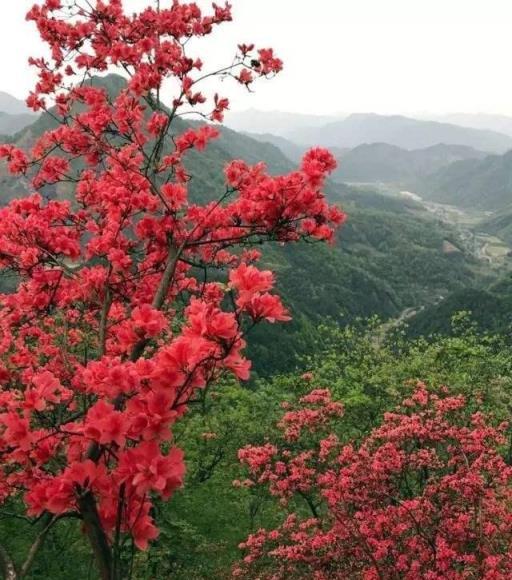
(426, 495)
(116, 323)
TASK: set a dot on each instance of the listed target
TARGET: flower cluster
(426, 495)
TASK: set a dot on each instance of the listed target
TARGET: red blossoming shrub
(116, 322)
(425, 496)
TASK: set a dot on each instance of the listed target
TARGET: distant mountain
(11, 124)
(482, 184)
(14, 114)
(275, 122)
(380, 162)
(293, 151)
(399, 131)
(499, 123)
(12, 105)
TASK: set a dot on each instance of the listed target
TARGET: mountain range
(277, 123)
(476, 174)
(499, 123)
(400, 131)
(490, 133)
(389, 255)
(381, 162)
(444, 172)
(293, 151)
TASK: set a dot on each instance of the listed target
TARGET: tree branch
(160, 295)
(7, 565)
(107, 303)
(48, 521)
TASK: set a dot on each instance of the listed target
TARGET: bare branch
(48, 521)
(7, 565)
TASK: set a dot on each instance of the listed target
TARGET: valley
(492, 254)
(483, 246)
(468, 223)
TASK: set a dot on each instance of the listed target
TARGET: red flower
(148, 321)
(248, 280)
(106, 425)
(17, 431)
(413, 498)
(267, 307)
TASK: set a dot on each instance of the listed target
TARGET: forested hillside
(499, 224)
(381, 162)
(490, 310)
(484, 184)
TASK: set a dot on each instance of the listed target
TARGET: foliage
(489, 308)
(498, 224)
(371, 373)
(385, 261)
(207, 519)
(367, 375)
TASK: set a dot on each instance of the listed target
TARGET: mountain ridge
(275, 122)
(484, 184)
(404, 132)
(381, 162)
(493, 122)
(14, 114)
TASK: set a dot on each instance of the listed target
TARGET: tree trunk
(97, 537)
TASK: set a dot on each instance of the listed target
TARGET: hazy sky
(387, 56)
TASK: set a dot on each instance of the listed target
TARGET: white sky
(386, 56)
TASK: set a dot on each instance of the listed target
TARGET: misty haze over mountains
(499, 123)
(459, 159)
(400, 131)
(277, 123)
(365, 128)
